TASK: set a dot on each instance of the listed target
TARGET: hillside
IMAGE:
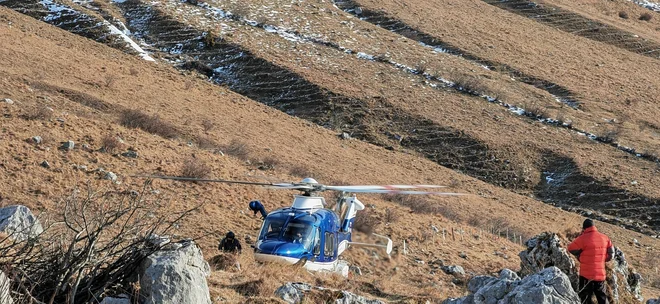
(462, 140)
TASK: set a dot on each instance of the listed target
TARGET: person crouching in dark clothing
(230, 244)
(593, 249)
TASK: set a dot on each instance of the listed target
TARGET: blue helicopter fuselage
(310, 235)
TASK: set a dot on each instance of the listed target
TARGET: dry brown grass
(206, 143)
(150, 123)
(365, 221)
(207, 125)
(469, 83)
(195, 168)
(268, 163)
(301, 171)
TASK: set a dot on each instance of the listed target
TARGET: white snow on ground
(115, 31)
(654, 6)
(55, 10)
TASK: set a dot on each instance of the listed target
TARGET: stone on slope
(652, 301)
(120, 299)
(624, 278)
(545, 250)
(550, 285)
(5, 289)
(175, 274)
(294, 293)
(19, 223)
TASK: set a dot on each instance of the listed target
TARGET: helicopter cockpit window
(301, 232)
(271, 228)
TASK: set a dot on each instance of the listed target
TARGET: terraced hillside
(423, 104)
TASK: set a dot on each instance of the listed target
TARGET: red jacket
(593, 249)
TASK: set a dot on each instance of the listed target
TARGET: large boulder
(295, 293)
(652, 301)
(550, 285)
(546, 250)
(623, 279)
(175, 274)
(5, 290)
(19, 223)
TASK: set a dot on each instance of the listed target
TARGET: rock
(110, 176)
(550, 285)
(37, 140)
(130, 154)
(68, 145)
(8, 101)
(45, 164)
(454, 270)
(293, 293)
(120, 299)
(624, 278)
(355, 270)
(175, 276)
(19, 222)
(158, 241)
(463, 255)
(5, 289)
(545, 250)
(345, 135)
(652, 301)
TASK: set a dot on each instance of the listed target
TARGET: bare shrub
(224, 262)
(206, 143)
(268, 163)
(301, 171)
(410, 34)
(109, 80)
(536, 110)
(38, 113)
(391, 216)
(470, 84)
(110, 144)
(150, 123)
(207, 125)
(99, 242)
(195, 168)
(238, 149)
(365, 221)
(623, 15)
(609, 135)
(421, 68)
(133, 72)
(646, 17)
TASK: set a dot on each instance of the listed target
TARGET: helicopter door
(329, 246)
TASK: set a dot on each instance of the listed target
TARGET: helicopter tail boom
(387, 247)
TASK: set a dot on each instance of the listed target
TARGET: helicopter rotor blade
(192, 179)
(367, 188)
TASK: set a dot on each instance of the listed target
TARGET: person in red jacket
(593, 249)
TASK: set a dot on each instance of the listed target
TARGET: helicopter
(308, 233)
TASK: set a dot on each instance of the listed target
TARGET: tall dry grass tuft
(150, 123)
(195, 168)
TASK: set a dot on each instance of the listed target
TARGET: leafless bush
(301, 171)
(238, 149)
(208, 125)
(110, 144)
(95, 245)
(195, 168)
(365, 221)
(38, 113)
(646, 17)
(469, 84)
(133, 72)
(421, 68)
(536, 110)
(410, 34)
(623, 15)
(609, 135)
(268, 163)
(391, 216)
(109, 80)
(149, 123)
(206, 143)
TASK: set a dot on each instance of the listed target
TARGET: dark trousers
(589, 288)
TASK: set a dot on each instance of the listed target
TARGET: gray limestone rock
(19, 223)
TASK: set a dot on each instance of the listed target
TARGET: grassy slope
(186, 101)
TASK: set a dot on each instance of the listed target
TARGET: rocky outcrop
(19, 223)
(120, 299)
(652, 301)
(623, 278)
(176, 274)
(550, 285)
(5, 289)
(545, 250)
(294, 293)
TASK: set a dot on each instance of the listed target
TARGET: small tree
(94, 245)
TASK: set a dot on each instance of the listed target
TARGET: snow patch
(115, 31)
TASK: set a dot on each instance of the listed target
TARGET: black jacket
(230, 245)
